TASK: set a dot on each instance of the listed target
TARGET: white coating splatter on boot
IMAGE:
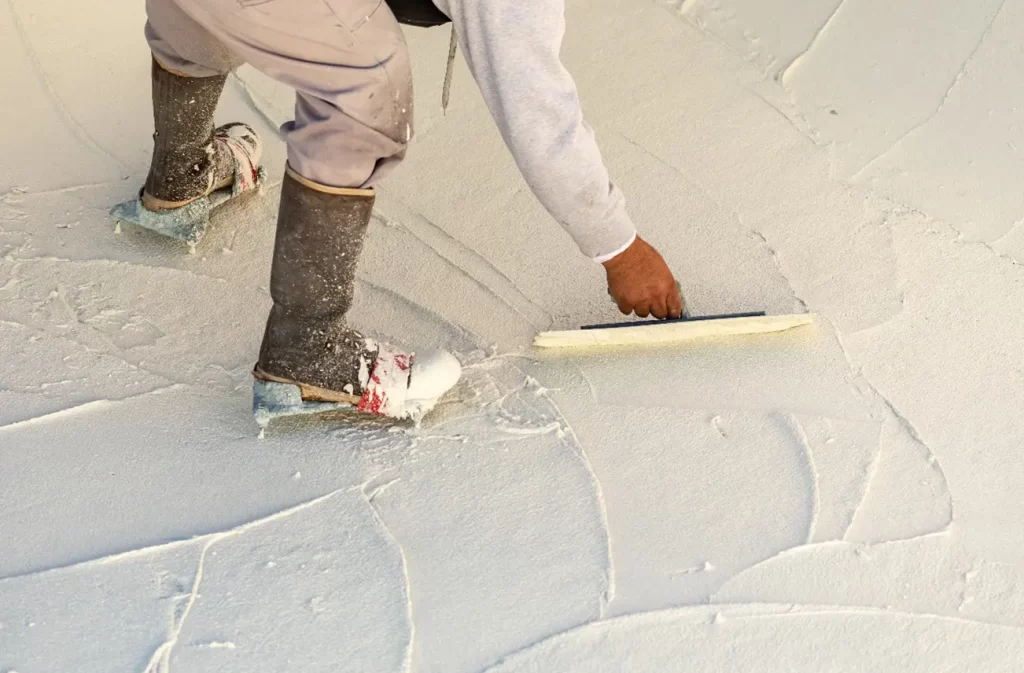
(388, 385)
(364, 372)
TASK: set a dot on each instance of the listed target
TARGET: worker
(349, 65)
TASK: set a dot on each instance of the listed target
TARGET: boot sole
(272, 400)
(309, 393)
(187, 223)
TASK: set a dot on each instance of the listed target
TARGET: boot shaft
(320, 234)
(183, 152)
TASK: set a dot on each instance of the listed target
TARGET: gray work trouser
(346, 59)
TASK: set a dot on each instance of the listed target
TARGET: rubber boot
(307, 344)
(184, 155)
(195, 168)
(319, 238)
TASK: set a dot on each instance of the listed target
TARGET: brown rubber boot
(185, 162)
(320, 233)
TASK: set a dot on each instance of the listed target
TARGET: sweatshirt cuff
(601, 259)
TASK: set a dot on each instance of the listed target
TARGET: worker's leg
(190, 67)
(182, 45)
(348, 62)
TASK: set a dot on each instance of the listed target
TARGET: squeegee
(672, 330)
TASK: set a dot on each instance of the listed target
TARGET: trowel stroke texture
(844, 496)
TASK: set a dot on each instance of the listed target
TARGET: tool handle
(726, 316)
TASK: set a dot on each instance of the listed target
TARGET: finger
(675, 304)
(642, 309)
(659, 308)
(625, 307)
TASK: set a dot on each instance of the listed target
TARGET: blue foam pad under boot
(188, 223)
(272, 400)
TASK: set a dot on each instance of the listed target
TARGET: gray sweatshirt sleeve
(512, 48)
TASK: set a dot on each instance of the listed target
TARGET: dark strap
(417, 13)
(725, 316)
